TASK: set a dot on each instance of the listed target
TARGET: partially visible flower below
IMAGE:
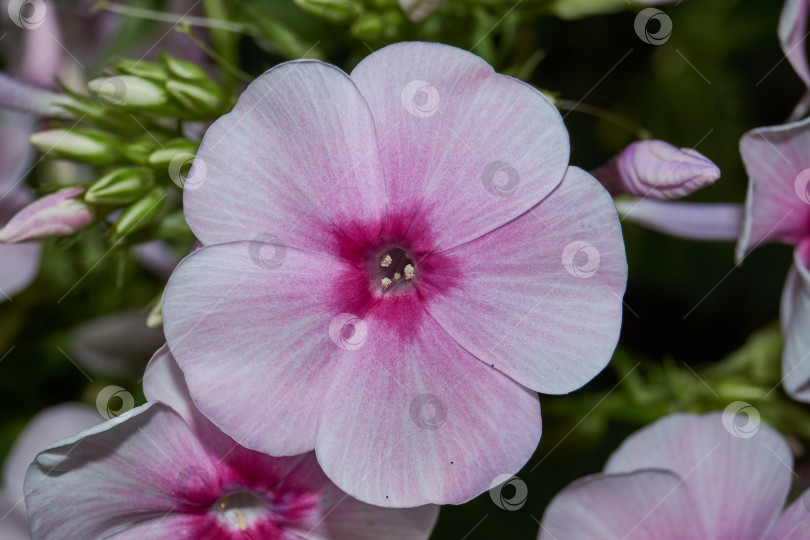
(394, 263)
(114, 345)
(164, 471)
(778, 209)
(658, 170)
(44, 429)
(57, 214)
(713, 477)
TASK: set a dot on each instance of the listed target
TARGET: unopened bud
(130, 92)
(140, 213)
(57, 214)
(183, 69)
(143, 69)
(335, 11)
(202, 98)
(79, 144)
(162, 157)
(658, 170)
(120, 186)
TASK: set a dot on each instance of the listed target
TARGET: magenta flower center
(392, 269)
(241, 510)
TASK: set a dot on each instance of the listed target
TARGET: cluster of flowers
(391, 265)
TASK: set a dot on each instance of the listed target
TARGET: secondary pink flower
(56, 214)
(778, 209)
(658, 170)
(713, 477)
(378, 281)
(164, 471)
(44, 429)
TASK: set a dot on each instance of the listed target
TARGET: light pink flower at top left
(394, 263)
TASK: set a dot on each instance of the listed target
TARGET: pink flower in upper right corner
(778, 210)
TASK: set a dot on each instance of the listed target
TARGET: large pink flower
(393, 265)
(778, 209)
(712, 477)
(164, 471)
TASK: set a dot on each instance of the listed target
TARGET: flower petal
(18, 269)
(635, 506)
(251, 336)
(540, 298)
(794, 523)
(413, 418)
(295, 157)
(777, 207)
(114, 345)
(792, 34)
(696, 221)
(47, 427)
(56, 214)
(739, 475)
(464, 149)
(340, 517)
(416, 10)
(140, 465)
(13, 520)
(795, 320)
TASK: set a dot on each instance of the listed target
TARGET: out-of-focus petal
(634, 506)
(792, 36)
(794, 523)
(696, 221)
(416, 10)
(795, 322)
(56, 214)
(739, 476)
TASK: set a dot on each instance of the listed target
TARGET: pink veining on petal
(53, 215)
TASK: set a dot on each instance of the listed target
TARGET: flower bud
(163, 157)
(658, 170)
(142, 69)
(335, 11)
(120, 186)
(202, 98)
(140, 213)
(56, 214)
(183, 69)
(79, 144)
(130, 92)
(416, 10)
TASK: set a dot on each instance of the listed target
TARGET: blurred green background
(599, 60)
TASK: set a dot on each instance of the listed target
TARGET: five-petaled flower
(714, 477)
(164, 471)
(426, 204)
